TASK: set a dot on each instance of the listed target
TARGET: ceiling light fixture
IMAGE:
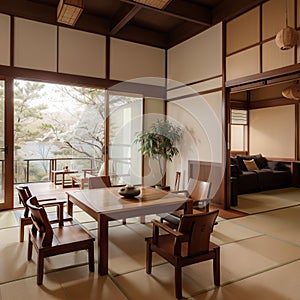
(68, 11)
(292, 92)
(287, 37)
(160, 4)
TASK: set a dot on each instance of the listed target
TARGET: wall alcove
(261, 120)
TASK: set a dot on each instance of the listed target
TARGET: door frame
(9, 143)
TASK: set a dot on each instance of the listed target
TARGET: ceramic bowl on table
(129, 191)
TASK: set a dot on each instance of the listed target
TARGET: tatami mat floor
(260, 259)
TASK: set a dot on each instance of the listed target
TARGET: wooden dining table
(105, 204)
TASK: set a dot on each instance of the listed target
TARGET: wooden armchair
(187, 245)
(199, 192)
(59, 216)
(50, 241)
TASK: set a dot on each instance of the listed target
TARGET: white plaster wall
(35, 45)
(4, 40)
(272, 131)
(81, 53)
(197, 58)
(130, 60)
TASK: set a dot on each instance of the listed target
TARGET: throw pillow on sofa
(250, 165)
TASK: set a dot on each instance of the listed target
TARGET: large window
(56, 125)
(125, 120)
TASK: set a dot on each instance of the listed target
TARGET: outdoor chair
(187, 245)
(199, 192)
(50, 241)
(59, 216)
(96, 182)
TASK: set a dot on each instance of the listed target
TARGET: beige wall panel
(81, 53)
(273, 15)
(4, 40)
(243, 63)
(130, 60)
(272, 131)
(208, 84)
(243, 31)
(197, 58)
(202, 136)
(35, 45)
(274, 58)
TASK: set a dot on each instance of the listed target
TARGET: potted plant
(159, 143)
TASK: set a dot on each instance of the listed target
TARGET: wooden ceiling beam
(123, 16)
(229, 9)
(183, 10)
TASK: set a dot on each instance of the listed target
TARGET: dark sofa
(265, 175)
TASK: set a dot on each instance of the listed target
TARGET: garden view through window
(57, 125)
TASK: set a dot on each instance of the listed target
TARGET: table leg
(102, 244)
(70, 207)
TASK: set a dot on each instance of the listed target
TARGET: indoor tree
(159, 143)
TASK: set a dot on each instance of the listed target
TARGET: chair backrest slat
(24, 194)
(197, 229)
(198, 190)
(40, 221)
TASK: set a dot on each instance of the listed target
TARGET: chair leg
(22, 225)
(124, 221)
(29, 252)
(178, 282)
(91, 257)
(148, 258)
(216, 266)
(40, 268)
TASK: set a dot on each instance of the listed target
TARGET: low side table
(63, 173)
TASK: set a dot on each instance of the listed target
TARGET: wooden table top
(108, 201)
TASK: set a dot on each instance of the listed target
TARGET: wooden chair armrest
(60, 208)
(88, 171)
(51, 202)
(166, 228)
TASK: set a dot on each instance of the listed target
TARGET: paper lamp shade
(286, 38)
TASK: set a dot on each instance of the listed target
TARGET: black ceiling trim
(182, 10)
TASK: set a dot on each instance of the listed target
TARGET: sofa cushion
(250, 165)
(260, 161)
(235, 171)
(276, 165)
